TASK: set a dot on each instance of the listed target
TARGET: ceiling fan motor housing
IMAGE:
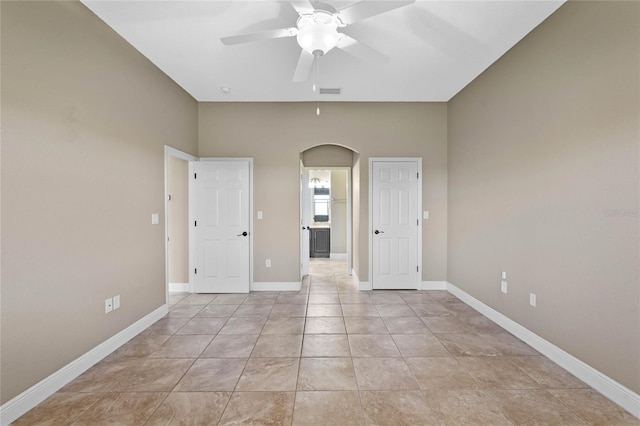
(318, 32)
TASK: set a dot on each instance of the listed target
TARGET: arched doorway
(326, 204)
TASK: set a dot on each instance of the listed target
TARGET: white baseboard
(179, 287)
(37, 393)
(276, 286)
(432, 285)
(338, 256)
(619, 394)
(362, 285)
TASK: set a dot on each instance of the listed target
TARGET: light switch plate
(259, 214)
(532, 299)
(425, 214)
(503, 286)
(116, 302)
(155, 219)
(504, 275)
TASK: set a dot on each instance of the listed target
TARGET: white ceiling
(435, 47)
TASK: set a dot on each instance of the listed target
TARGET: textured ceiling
(435, 48)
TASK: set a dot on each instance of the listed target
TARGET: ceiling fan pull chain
(316, 86)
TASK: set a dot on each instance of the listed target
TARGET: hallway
(330, 355)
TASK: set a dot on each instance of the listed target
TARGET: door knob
(244, 234)
(378, 232)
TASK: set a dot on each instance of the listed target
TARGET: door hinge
(195, 176)
(418, 222)
(196, 271)
(195, 223)
(417, 269)
(418, 175)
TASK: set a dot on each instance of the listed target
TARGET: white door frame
(304, 211)
(192, 242)
(349, 171)
(418, 161)
(173, 152)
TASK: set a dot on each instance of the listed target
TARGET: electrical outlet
(504, 275)
(268, 263)
(532, 299)
(108, 305)
(116, 302)
(503, 286)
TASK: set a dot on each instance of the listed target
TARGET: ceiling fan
(317, 31)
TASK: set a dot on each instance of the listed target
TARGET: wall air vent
(330, 91)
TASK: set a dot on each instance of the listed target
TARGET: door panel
(222, 255)
(395, 217)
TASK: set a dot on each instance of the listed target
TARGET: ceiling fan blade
(302, 6)
(361, 51)
(366, 9)
(305, 62)
(262, 35)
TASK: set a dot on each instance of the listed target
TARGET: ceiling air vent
(330, 91)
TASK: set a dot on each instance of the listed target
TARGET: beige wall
(84, 121)
(178, 218)
(275, 134)
(338, 211)
(541, 147)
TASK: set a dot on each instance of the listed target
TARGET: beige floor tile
(200, 325)
(397, 408)
(385, 297)
(292, 299)
(355, 298)
(269, 374)
(417, 297)
(219, 311)
(184, 311)
(288, 311)
(259, 408)
(372, 346)
(383, 374)
(481, 325)
(497, 373)
(261, 298)
(326, 374)
(166, 326)
(325, 345)
(323, 289)
(508, 344)
(102, 377)
(459, 308)
(287, 325)
(197, 299)
(122, 409)
(152, 375)
(174, 298)
(466, 344)
(433, 373)
(430, 309)
(278, 345)
(365, 325)
(253, 311)
(395, 310)
(534, 407)
(419, 345)
(325, 325)
(323, 298)
(465, 407)
(140, 346)
(60, 408)
(405, 325)
(327, 408)
(229, 299)
(183, 346)
(324, 311)
(231, 346)
(547, 373)
(243, 326)
(212, 374)
(594, 408)
(446, 324)
(190, 408)
(360, 310)
(442, 296)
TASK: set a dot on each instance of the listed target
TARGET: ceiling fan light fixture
(318, 32)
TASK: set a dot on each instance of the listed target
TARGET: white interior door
(394, 224)
(304, 221)
(221, 226)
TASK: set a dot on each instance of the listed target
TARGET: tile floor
(327, 355)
